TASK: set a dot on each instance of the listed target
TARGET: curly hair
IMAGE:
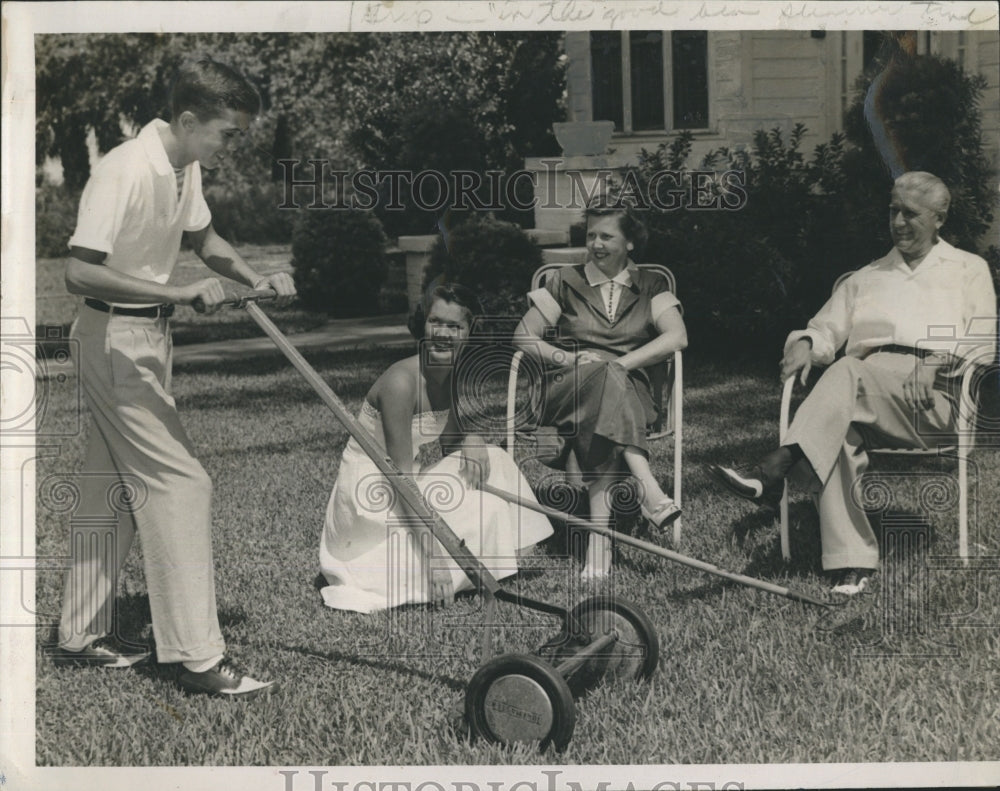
(449, 292)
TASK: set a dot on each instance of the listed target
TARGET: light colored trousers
(136, 440)
(857, 402)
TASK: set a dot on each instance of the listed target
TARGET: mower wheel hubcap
(517, 708)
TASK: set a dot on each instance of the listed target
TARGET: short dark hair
(608, 204)
(449, 292)
(208, 88)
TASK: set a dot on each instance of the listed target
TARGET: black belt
(893, 348)
(155, 312)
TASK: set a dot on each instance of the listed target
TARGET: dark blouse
(584, 323)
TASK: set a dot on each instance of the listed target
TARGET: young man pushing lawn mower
(142, 197)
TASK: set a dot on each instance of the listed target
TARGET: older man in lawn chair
(891, 388)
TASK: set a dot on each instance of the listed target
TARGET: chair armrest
(666, 402)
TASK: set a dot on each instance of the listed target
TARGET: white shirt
(610, 290)
(610, 287)
(947, 304)
(130, 208)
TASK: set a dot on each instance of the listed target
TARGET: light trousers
(854, 403)
(139, 475)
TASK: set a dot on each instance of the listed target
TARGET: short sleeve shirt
(574, 302)
(131, 210)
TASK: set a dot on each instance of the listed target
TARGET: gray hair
(931, 189)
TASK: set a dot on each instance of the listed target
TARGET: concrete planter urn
(583, 138)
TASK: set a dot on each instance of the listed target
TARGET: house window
(632, 87)
(845, 69)
(873, 46)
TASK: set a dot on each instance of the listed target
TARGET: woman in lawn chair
(611, 320)
(375, 554)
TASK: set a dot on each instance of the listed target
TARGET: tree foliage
(508, 85)
(114, 83)
(453, 101)
(396, 101)
(341, 96)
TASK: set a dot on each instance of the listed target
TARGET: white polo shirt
(131, 211)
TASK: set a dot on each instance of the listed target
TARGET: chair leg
(963, 506)
(786, 550)
(783, 421)
(677, 402)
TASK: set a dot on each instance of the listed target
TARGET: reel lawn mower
(516, 697)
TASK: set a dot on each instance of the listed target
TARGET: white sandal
(664, 514)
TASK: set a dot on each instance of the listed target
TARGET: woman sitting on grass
(611, 321)
(374, 552)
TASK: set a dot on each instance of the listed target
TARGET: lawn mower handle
(264, 295)
(655, 549)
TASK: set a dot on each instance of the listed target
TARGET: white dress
(366, 553)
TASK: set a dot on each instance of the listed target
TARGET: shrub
(992, 256)
(495, 259)
(747, 277)
(249, 214)
(925, 113)
(736, 270)
(339, 261)
(55, 219)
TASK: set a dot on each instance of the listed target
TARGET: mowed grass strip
(908, 672)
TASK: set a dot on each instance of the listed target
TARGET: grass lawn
(909, 672)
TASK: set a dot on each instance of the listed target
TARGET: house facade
(724, 85)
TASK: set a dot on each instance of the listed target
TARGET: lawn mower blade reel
(633, 655)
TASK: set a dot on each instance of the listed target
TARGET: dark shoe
(103, 652)
(851, 582)
(664, 514)
(749, 483)
(225, 679)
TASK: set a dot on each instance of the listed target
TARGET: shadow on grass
(332, 442)
(910, 529)
(342, 362)
(452, 683)
(133, 619)
(268, 400)
(728, 450)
